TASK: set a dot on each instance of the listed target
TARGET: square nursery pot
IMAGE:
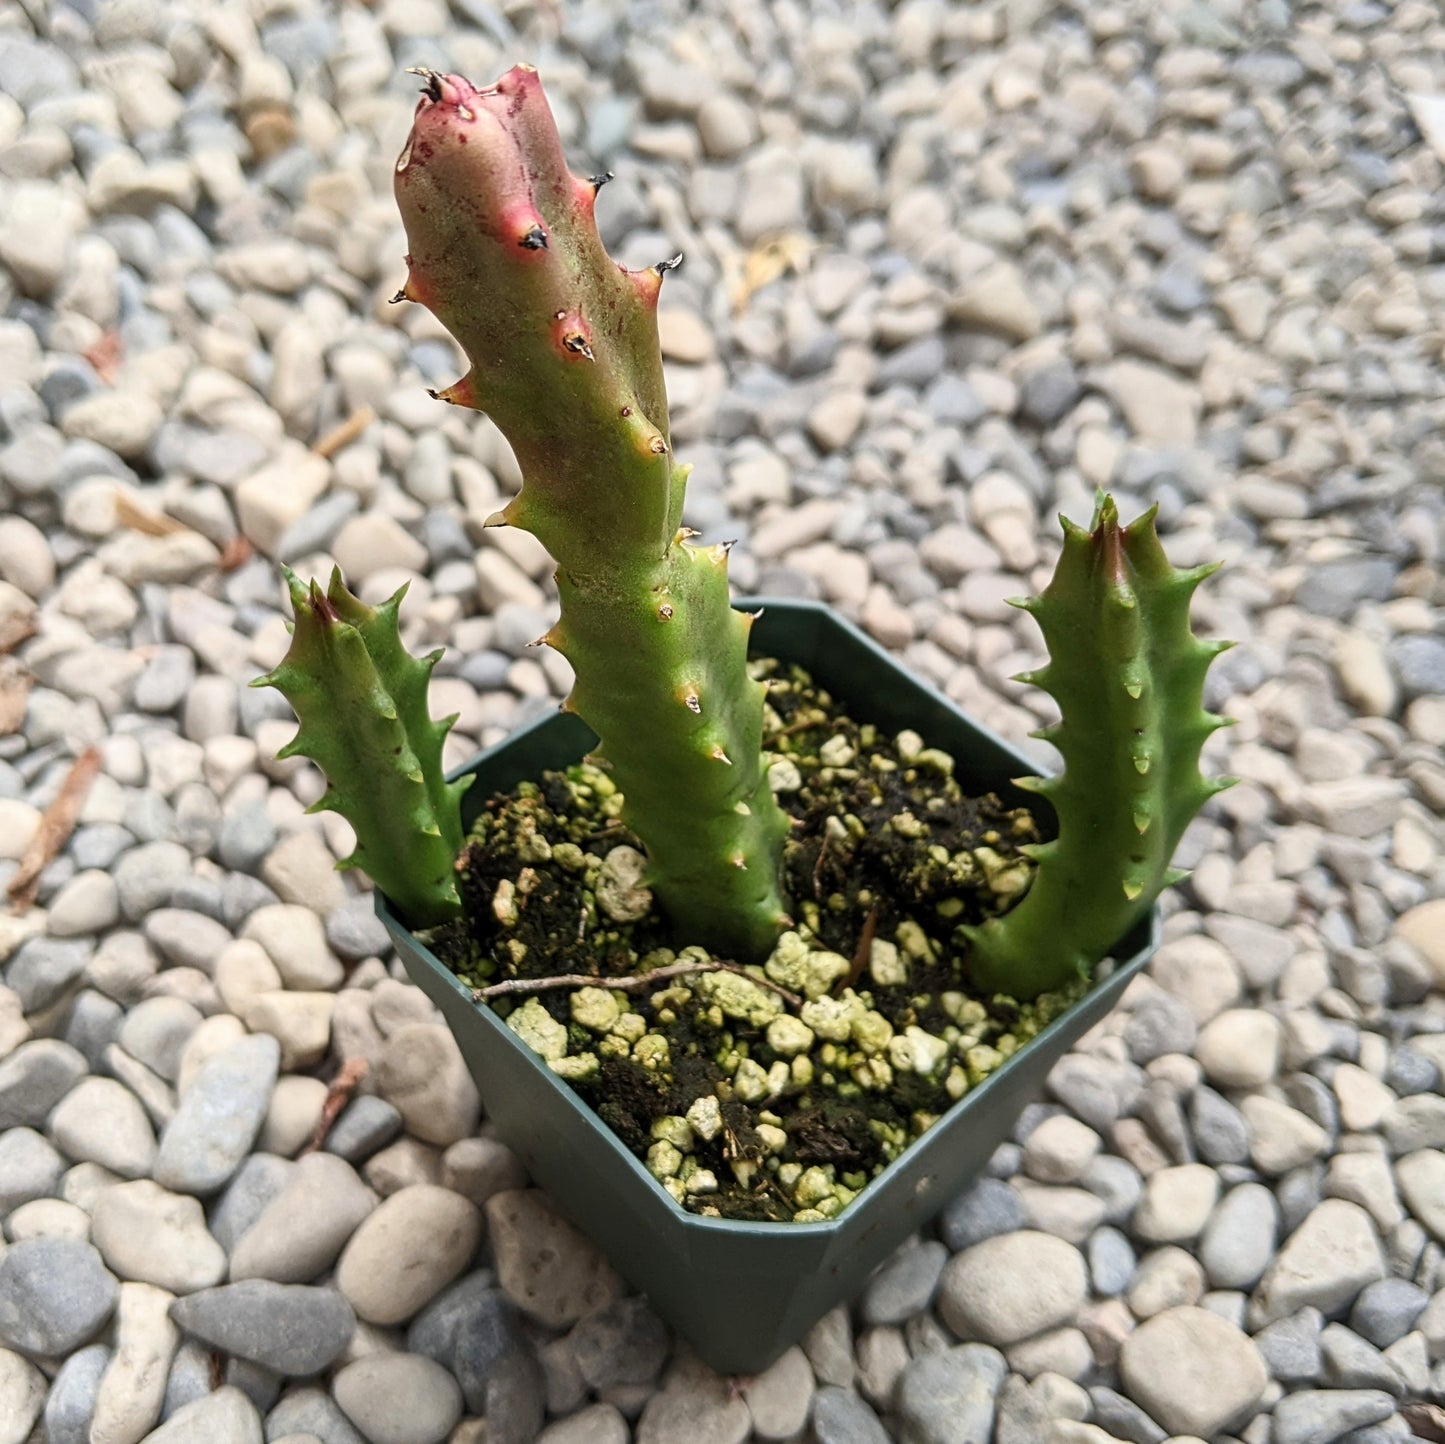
(741, 1293)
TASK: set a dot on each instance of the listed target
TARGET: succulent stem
(1128, 675)
(563, 352)
(361, 700)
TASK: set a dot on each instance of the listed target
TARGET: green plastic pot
(742, 1293)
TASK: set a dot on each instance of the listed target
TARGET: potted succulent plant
(730, 942)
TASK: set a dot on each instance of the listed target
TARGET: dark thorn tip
(534, 240)
(663, 267)
(432, 82)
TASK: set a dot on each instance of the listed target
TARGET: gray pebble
(148, 875)
(1049, 392)
(623, 1343)
(949, 1397)
(1411, 1072)
(1239, 1240)
(904, 1285)
(366, 1124)
(100, 844)
(29, 1168)
(486, 670)
(1320, 1416)
(1351, 1363)
(92, 1025)
(953, 402)
(246, 838)
(219, 1116)
(258, 1180)
(166, 680)
(990, 1207)
(71, 1401)
(189, 1378)
(317, 528)
(55, 1293)
(43, 969)
(1334, 588)
(1161, 1024)
(841, 1417)
(1386, 1310)
(34, 1078)
(289, 1328)
(1290, 1347)
(311, 1411)
(156, 1031)
(355, 932)
(1123, 1418)
(1298, 1194)
(476, 1306)
(1111, 1261)
(149, 818)
(202, 895)
(1117, 1182)
(241, 895)
(1097, 1091)
(186, 938)
(1218, 1128)
(1419, 663)
(514, 1397)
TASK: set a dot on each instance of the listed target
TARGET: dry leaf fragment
(57, 822)
(236, 553)
(106, 355)
(766, 263)
(338, 1095)
(15, 627)
(15, 684)
(131, 513)
(345, 433)
(1426, 1421)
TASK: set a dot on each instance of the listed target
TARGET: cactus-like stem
(564, 357)
(1128, 675)
(361, 701)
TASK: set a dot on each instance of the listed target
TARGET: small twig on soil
(630, 984)
(338, 1095)
(801, 725)
(57, 822)
(818, 868)
(864, 949)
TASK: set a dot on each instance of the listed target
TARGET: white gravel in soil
(949, 267)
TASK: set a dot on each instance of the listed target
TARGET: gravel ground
(949, 267)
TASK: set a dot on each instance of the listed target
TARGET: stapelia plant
(564, 358)
(1128, 675)
(563, 352)
(361, 700)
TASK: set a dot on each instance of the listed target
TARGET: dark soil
(920, 856)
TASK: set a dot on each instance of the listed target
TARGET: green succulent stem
(1128, 675)
(361, 701)
(564, 357)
